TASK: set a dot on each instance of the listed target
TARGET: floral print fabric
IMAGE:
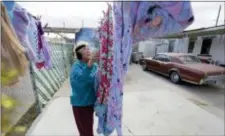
(105, 69)
(133, 22)
(156, 19)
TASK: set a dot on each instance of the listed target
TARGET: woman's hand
(95, 57)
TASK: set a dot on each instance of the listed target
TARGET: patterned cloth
(43, 52)
(87, 35)
(46, 53)
(105, 68)
(39, 44)
(29, 32)
(133, 22)
(20, 22)
(156, 19)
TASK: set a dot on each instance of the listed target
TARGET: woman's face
(86, 54)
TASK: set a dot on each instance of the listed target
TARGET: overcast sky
(72, 13)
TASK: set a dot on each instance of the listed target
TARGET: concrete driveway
(152, 106)
(211, 98)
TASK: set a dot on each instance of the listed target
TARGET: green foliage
(7, 106)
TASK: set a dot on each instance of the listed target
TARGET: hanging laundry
(39, 44)
(9, 5)
(20, 22)
(156, 19)
(134, 22)
(29, 31)
(13, 61)
(105, 70)
(88, 35)
(46, 53)
(40, 63)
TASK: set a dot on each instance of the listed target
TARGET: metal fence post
(64, 60)
(32, 77)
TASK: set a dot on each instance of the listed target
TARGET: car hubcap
(144, 66)
(175, 77)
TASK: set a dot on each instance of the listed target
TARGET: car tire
(144, 66)
(175, 77)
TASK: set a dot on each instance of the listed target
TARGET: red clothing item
(84, 118)
(106, 57)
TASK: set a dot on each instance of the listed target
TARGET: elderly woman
(82, 80)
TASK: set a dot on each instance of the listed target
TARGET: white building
(209, 41)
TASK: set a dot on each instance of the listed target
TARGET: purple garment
(39, 44)
(20, 22)
(33, 36)
(43, 50)
(30, 33)
(174, 16)
(46, 53)
(164, 18)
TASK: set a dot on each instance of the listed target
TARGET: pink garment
(105, 69)
(106, 57)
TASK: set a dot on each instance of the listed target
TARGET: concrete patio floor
(155, 112)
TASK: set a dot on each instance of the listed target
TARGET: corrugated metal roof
(218, 30)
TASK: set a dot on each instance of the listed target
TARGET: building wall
(163, 47)
(152, 46)
(181, 45)
(198, 45)
(147, 47)
(217, 49)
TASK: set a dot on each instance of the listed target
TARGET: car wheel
(144, 66)
(175, 77)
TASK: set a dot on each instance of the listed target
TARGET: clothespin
(109, 6)
(39, 17)
(103, 13)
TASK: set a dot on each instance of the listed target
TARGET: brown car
(185, 67)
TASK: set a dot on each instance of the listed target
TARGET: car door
(165, 64)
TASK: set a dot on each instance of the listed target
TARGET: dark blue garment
(88, 35)
(9, 6)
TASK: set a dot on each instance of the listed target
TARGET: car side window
(162, 58)
(158, 57)
(176, 60)
(166, 59)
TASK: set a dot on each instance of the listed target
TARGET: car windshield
(189, 59)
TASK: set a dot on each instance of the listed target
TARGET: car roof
(176, 54)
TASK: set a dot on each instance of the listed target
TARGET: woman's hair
(77, 51)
